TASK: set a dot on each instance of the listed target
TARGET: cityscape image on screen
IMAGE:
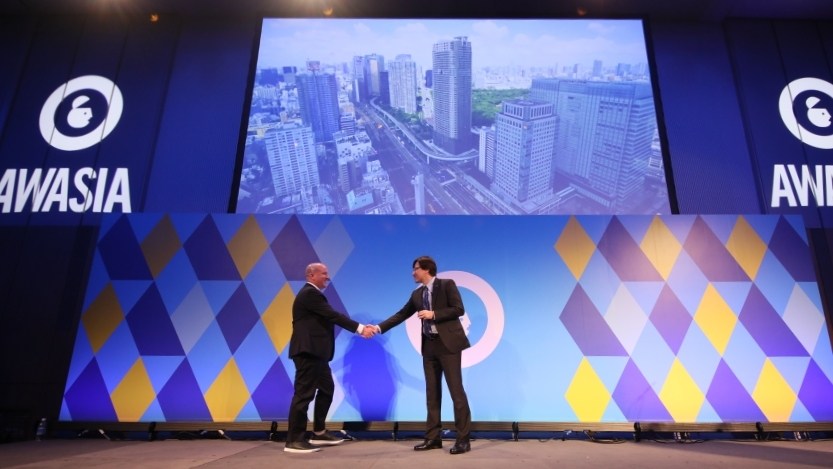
(452, 116)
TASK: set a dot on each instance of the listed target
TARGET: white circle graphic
(115, 105)
(494, 318)
(785, 106)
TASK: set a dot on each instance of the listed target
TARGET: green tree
(486, 103)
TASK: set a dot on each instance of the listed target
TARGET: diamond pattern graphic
(716, 319)
(671, 319)
(160, 246)
(277, 319)
(637, 398)
(227, 394)
(773, 394)
(588, 328)
(151, 326)
(711, 256)
(208, 254)
(188, 317)
(247, 245)
(587, 394)
(730, 399)
(681, 395)
(293, 250)
(102, 318)
(575, 247)
(661, 247)
(134, 394)
(769, 329)
(785, 245)
(625, 256)
(746, 247)
(237, 318)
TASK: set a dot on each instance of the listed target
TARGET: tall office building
(452, 80)
(403, 83)
(486, 156)
(318, 101)
(597, 68)
(290, 150)
(268, 76)
(603, 141)
(359, 83)
(289, 74)
(384, 83)
(374, 64)
(524, 141)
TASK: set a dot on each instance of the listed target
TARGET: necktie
(427, 324)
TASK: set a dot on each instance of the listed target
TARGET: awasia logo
(81, 112)
(805, 106)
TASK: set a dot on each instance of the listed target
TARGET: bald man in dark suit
(312, 347)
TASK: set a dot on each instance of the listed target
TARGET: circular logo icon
(81, 113)
(494, 317)
(805, 106)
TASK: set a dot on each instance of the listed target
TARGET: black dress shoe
(429, 444)
(300, 447)
(460, 447)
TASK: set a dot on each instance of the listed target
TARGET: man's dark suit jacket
(313, 320)
(447, 306)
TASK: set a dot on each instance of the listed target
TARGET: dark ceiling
(699, 10)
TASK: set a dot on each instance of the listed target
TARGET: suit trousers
(311, 374)
(438, 361)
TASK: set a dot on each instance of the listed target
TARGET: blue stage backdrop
(682, 318)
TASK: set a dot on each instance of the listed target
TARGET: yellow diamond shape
(227, 394)
(661, 247)
(681, 395)
(773, 394)
(575, 247)
(746, 247)
(161, 245)
(102, 317)
(715, 318)
(134, 394)
(277, 319)
(587, 394)
(247, 245)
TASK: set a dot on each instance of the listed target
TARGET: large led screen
(488, 117)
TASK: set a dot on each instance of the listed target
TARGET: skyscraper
(290, 150)
(318, 100)
(359, 84)
(486, 157)
(384, 83)
(403, 83)
(524, 140)
(452, 80)
(604, 136)
(374, 64)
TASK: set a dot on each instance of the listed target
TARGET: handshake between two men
(371, 330)
(311, 347)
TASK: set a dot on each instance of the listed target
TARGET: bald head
(317, 275)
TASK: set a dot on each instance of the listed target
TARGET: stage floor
(486, 453)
